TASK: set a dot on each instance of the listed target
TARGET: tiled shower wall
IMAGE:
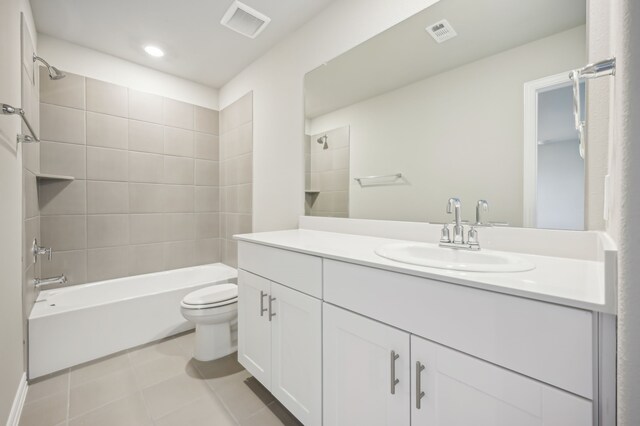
(236, 174)
(327, 182)
(146, 192)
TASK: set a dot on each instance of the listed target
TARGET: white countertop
(570, 282)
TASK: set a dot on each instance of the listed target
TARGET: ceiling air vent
(441, 31)
(245, 20)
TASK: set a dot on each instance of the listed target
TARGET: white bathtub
(72, 325)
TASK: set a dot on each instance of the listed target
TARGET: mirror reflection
(465, 99)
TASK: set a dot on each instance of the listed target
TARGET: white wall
(277, 83)
(458, 133)
(625, 166)
(101, 66)
(11, 338)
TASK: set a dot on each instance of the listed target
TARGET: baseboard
(18, 402)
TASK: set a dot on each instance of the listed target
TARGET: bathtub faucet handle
(39, 250)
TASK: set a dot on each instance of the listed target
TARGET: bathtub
(69, 326)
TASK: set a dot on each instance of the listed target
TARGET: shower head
(323, 140)
(54, 73)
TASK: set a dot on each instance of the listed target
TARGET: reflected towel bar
(394, 176)
(9, 110)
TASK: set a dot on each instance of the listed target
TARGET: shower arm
(9, 110)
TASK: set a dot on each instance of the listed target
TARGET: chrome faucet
(39, 282)
(38, 250)
(481, 207)
(458, 241)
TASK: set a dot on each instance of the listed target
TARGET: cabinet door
(254, 328)
(296, 339)
(359, 371)
(462, 390)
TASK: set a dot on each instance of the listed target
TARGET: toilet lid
(210, 295)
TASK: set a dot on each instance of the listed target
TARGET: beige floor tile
(49, 386)
(160, 369)
(169, 395)
(91, 395)
(220, 368)
(99, 368)
(130, 410)
(242, 395)
(283, 414)
(201, 412)
(164, 348)
(263, 417)
(47, 411)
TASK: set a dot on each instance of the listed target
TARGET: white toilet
(214, 310)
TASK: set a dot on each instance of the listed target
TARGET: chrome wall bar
(595, 70)
(393, 176)
(9, 110)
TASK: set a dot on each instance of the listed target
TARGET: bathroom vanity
(341, 335)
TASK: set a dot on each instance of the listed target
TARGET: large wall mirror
(467, 99)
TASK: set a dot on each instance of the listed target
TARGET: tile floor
(158, 384)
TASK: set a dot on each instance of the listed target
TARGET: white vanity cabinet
(280, 336)
(452, 388)
(365, 371)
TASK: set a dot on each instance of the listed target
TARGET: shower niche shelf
(45, 177)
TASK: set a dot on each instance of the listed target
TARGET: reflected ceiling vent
(245, 20)
(441, 31)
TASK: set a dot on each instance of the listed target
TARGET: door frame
(530, 149)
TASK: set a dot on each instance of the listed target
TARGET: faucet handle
(38, 250)
(444, 234)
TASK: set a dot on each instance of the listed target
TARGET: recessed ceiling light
(154, 51)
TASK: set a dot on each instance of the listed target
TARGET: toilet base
(213, 341)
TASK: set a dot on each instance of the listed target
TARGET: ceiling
(196, 46)
(406, 53)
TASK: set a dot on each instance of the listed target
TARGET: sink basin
(433, 256)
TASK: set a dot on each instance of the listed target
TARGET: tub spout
(39, 282)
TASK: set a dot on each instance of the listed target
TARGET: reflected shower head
(54, 73)
(323, 140)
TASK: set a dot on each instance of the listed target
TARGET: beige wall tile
(145, 167)
(61, 124)
(207, 225)
(63, 197)
(63, 233)
(107, 230)
(178, 170)
(236, 114)
(178, 198)
(30, 194)
(146, 259)
(177, 114)
(178, 142)
(107, 164)
(106, 264)
(146, 198)
(146, 228)
(179, 254)
(207, 251)
(31, 157)
(146, 137)
(206, 146)
(207, 199)
(230, 253)
(206, 120)
(107, 197)
(107, 131)
(63, 159)
(206, 172)
(73, 264)
(107, 98)
(145, 106)
(245, 198)
(179, 226)
(67, 92)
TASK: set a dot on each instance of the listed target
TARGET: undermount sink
(433, 256)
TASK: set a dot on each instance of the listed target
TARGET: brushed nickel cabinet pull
(394, 380)
(419, 393)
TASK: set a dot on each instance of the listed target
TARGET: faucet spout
(39, 282)
(453, 206)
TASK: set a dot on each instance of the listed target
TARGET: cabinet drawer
(295, 270)
(548, 342)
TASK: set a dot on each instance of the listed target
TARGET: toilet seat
(211, 297)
